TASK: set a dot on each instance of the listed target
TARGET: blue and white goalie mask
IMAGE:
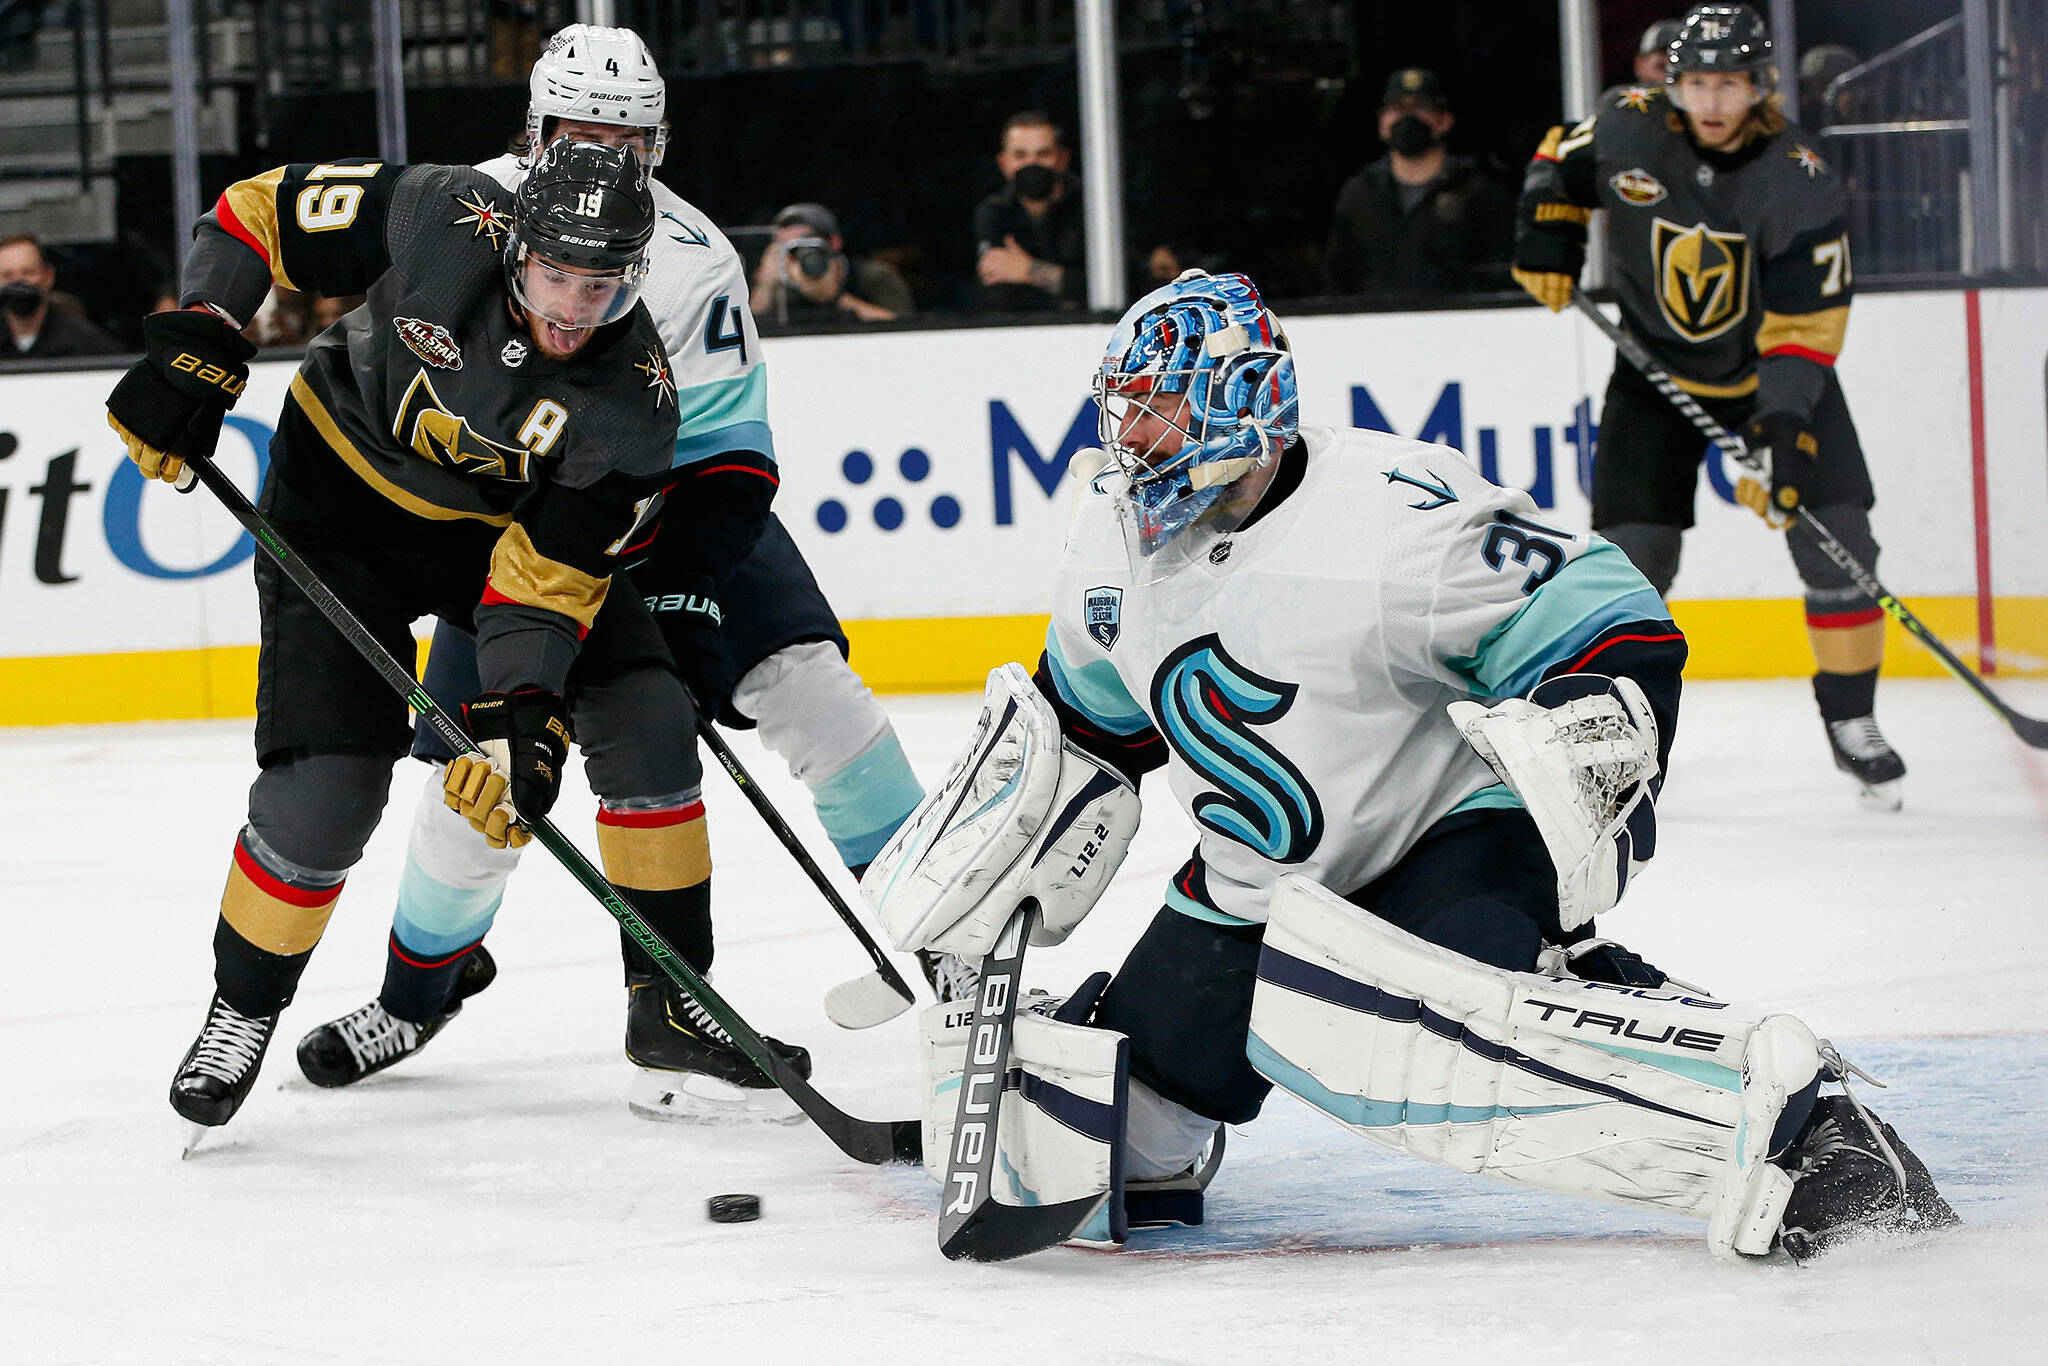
(1197, 391)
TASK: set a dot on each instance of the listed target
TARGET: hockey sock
(417, 986)
(1845, 696)
(271, 915)
(682, 917)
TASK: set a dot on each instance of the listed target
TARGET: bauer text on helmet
(598, 76)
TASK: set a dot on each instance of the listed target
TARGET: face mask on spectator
(1036, 182)
(20, 299)
(1411, 135)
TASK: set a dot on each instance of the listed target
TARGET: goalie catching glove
(1581, 753)
(524, 736)
(1023, 815)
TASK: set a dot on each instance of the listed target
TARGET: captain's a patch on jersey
(1103, 612)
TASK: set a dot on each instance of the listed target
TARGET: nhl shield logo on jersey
(1637, 186)
(1702, 278)
(514, 354)
(1103, 610)
(431, 342)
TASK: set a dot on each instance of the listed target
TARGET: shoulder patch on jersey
(1635, 97)
(1808, 161)
(484, 218)
(659, 378)
(431, 342)
(1439, 492)
(1103, 611)
(689, 236)
(1637, 186)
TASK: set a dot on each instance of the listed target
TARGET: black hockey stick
(2030, 729)
(863, 1140)
(973, 1225)
(867, 1000)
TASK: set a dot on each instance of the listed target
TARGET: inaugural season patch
(1637, 186)
(431, 342)
(1103, 610)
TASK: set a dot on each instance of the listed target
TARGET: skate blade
(1889, 796)
(694, 1098)
(194, 1134)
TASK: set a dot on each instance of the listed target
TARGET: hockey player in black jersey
(1732, 265)
(478, 442)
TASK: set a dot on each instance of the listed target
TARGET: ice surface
(493, 1200)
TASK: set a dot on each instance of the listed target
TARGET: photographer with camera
(805, 272)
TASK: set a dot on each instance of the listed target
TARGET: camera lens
(812, 256)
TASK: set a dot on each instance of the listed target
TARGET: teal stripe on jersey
(1095, 690)
(1598, 590)
(862, 804)
(435, 919)
(1495, 798)
(724, 415)
(1180, 901)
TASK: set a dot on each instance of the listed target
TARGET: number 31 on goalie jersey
(1518, 540)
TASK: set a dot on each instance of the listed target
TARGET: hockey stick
(2030, 729)
(973, 1225)
(864, 1140)
(867, 1000)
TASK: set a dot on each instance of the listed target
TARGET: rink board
(924, 477)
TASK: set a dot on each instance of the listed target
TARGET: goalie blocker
(1652, 1097)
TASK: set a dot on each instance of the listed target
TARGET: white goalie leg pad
(1644, 1097)
(1582, 768)
(1021, 814)
(1061, 1122)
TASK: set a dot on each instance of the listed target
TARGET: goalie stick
(973, 1225)
(864, 1140)
(2031, 729)
(868, 1000)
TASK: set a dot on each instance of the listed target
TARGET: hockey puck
(733, 1209)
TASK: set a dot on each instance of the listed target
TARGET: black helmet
(1720, 38)
(584, 210)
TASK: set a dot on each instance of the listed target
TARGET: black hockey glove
(693, 624)
(525, 737)
(169, 405)
(1791, 455)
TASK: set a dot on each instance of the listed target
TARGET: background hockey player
(1732, 265)
(1295, 622)
(478, 442)
(751, 633)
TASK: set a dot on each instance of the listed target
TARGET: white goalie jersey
(1299, 675)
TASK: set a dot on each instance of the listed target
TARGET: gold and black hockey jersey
(431, 392)
(1733, 268)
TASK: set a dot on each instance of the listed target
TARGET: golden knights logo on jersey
(1702, 278)
(427, 426)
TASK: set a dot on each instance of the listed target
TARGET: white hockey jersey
(1299, 674)
(696, 290)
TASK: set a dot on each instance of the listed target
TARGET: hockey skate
(1862, 752)
(1854, 1177)
(690, 1069)
(952, 977)
(370, 1039)
(219, 1068)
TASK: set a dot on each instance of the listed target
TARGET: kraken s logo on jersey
(426, 427)
(1207, 704)
(1702, 278)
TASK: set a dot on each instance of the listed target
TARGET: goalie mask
(597, 75)
(578, 254)
(1196, 392)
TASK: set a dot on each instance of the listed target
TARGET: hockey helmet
(1729, 38)
(597, 75)
(1207, 363)
(577, 254)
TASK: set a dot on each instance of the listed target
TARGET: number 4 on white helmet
(597, 75)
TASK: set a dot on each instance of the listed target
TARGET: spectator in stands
(1650, 53)
(1029, 234)
(1418, 220)
(41, 323)
(1818, 68)
(805, 273)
